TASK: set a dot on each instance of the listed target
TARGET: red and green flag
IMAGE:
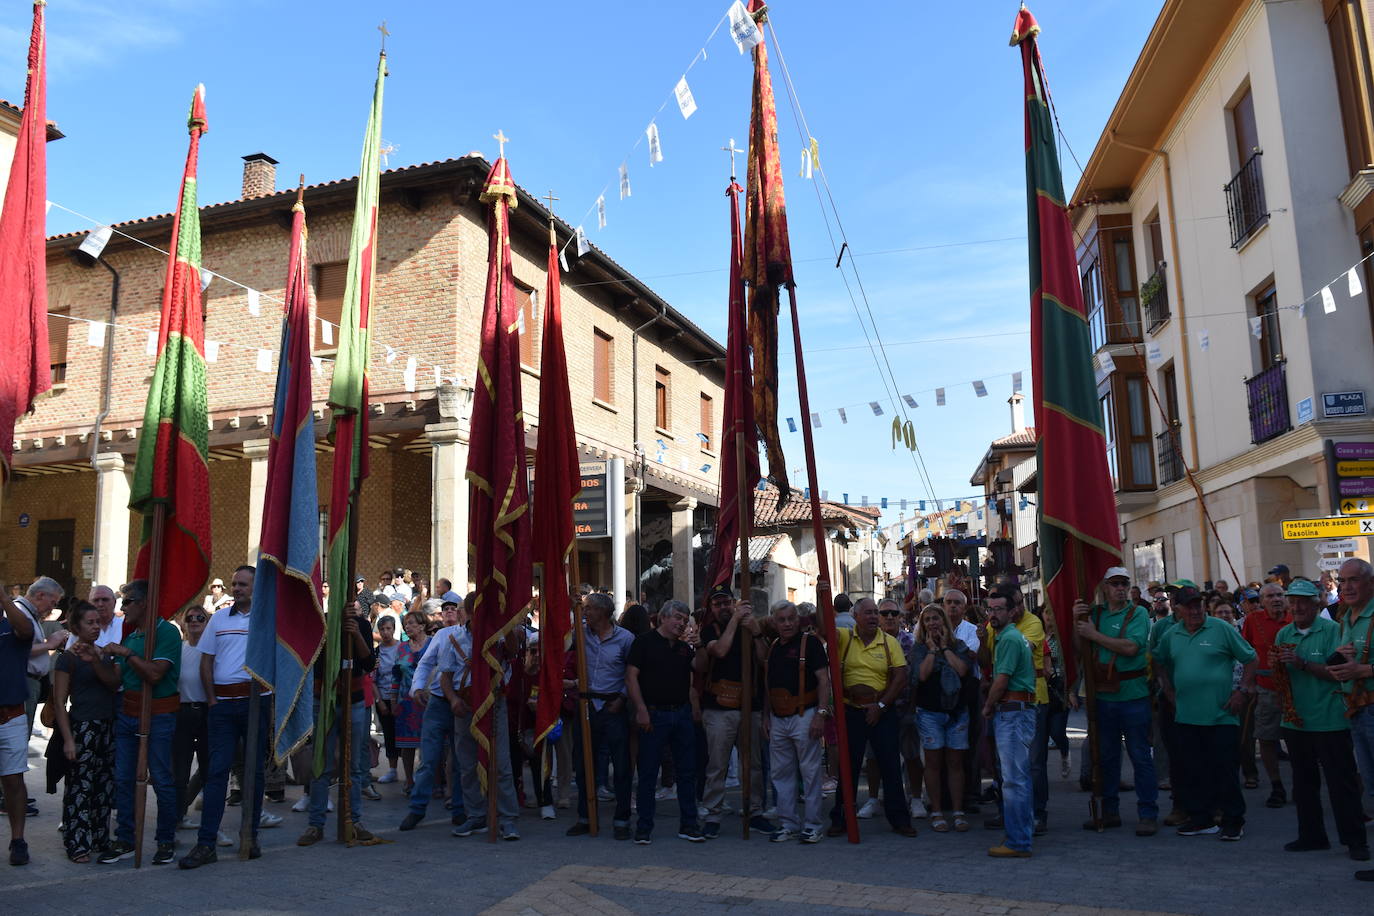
(24, 372)
(500, 552)
(348, 400)
(558, 480)
(1078, 530)
(286, 629)
(173, 446)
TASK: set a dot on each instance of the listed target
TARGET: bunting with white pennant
(655, 146)
(685, 103)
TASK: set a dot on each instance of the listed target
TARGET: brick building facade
(641, 373)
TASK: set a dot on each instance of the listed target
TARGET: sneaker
(470, 826)
(702, 811)
(235, 798)
(622, 832)
(604, 794)
(509, 833)
(1147, 827)
(691, 833)
(198, 856)
(871, 808)
(811, 835)
(1064, 768)
(188, 823)
(268, 819)
(302, 804)
(1191, 829)
(1006, 852)
(762, 824)
(1042, 828)
(19, 852)
(166, 852)
(113, 853)
(411, 821)
(388, 777)
(1233, 833)
(642, 838)
(829, 785)
(223, 838)
(666, 793)
(918, 808)
(547, 813)
(783, 836)
(371, 794)
(276, 796)
(1277, 798)
(710, 831)
(31, 808)
(579, 829)
(362, 835)
(310, 837)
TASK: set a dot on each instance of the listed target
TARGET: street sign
(1330, 564)
(1350, 506)
(1343, 404)
(590, 507)
(1344, 545)
(1355, 468)
(1354, 451)
(1302, 529)
(1357, 486)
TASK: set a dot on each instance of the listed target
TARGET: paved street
(546, 873)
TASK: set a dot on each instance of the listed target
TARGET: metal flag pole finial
(732, 150)
(553, 238)
(501, 138)
(382, 28)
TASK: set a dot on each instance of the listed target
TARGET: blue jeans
(1128, 719)
(164, 726)
(610, 734)
(358, 766)
(1362, 732)
(672, 728)
(1015, 733)
(228, 723)
(436, 740)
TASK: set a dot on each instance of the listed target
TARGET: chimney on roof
(259, 175)
(1018, 412)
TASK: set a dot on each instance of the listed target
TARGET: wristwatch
(882, 705)
(823, 711)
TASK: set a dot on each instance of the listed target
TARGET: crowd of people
(948, 704)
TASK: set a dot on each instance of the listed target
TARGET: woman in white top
(192, 738)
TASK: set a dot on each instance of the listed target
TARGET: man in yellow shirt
(1030, 627)
(875, 674)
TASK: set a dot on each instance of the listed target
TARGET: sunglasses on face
(891, 613)
(196, 618)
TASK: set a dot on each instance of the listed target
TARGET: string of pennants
(746, 34)
(980, 389)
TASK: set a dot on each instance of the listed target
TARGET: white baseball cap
(1116, 572)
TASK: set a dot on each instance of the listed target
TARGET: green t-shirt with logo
(1137, 630)
(1201, 664)
(168, 649)
(1317, 702)
(1014, 660)
(1359, 629)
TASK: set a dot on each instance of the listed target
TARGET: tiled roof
(796, 510)
(1024, 439)
(761, 548)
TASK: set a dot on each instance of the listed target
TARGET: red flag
(499, 542)
(1078, 531)
(24, 372)
(557, 480)
(738, 420)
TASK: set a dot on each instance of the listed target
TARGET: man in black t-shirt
(658, 678)
(799, 702)
(722, 701)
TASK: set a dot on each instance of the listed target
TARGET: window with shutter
(708, 430)
(329, 295)
(663, 404)
(603, 366)
(529, 328)
(58, 328)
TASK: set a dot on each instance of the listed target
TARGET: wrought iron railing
(1245, 205)
(1154, 297)
(1167, 448)
(1267, 395)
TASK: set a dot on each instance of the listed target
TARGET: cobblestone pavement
(1072, 872)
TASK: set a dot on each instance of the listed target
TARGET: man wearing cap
(1316, 730)
(1121, 632)
(1249, 601)
(722, 701)
(1011, 706)
(1197, 659)
(1165, 727)
(1281, 573)
(437, 720)
(1356, 675)
(1264, 709)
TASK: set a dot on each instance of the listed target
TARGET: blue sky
(916, 106)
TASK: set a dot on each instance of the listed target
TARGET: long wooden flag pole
(145, 708)
(584, 718)
(344, 684)
(743, 502)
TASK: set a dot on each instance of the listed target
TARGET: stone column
(255, 450)
(448, 546)
(683, 581)
(111, 520)
(615, 497)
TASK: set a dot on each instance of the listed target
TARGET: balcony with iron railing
(1267, 395)
(1154, 298)
(1168, 447)
(1245, 206)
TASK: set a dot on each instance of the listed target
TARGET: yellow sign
(1302, 529)
(1351, 505)
(1355, 468)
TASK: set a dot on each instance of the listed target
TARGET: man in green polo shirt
(1120, 630)
(1315, 728)
(1167, 614)
(1197, 658)
(160, 675)
(1011, 705)
(1356, 582)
